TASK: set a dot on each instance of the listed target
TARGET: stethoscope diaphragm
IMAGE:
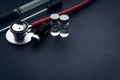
(19, 34)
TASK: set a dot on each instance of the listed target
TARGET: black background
(91, 52)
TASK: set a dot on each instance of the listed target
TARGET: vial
(54, 24)
(64, 23)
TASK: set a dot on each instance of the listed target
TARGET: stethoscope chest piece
(19, 34)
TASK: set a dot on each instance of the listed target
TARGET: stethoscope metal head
(19, 27)
(19, 34)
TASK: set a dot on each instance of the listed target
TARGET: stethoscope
(21, 32)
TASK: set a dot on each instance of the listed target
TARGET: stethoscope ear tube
(21, 33)
(42, 29)
(67, 11)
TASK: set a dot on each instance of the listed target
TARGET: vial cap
(54, 17)
(64, 18)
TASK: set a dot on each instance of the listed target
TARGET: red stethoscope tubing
(67, 11)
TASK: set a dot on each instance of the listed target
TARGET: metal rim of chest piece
(18, 33)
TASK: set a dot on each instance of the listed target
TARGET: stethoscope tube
(21, 35)
(67, 11)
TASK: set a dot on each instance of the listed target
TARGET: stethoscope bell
(19, 34)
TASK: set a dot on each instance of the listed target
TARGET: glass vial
(64, 22)
(54, 24)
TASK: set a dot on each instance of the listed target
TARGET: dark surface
(91, 52)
